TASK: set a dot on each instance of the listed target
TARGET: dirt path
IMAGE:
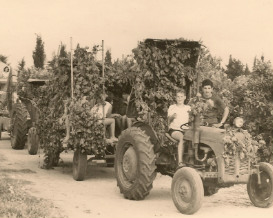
(98, 195)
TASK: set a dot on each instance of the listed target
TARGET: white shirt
(182, 115)
(98, 109)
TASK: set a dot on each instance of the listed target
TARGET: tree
(108, 58)
(247, 71)
(235, 68)
(21, 65)
(3, 59)
(254, 62)
(63, 52)
(39, 53)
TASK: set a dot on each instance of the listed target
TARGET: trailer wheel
(32, 141)
(261, 195)
(18, 134)
(79, 165)
(187, 190)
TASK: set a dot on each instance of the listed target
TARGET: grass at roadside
(16, 202)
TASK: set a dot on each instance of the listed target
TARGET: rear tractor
(22, 114)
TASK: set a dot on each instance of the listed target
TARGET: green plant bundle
(87, 130)
(163, 67)
(239, 142)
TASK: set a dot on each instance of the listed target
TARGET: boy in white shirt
(178, 114)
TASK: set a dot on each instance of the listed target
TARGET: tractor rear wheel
(135, 164)
(32, 141)
(79, 165)
(187, 190)
(261, 195)
(19, 126)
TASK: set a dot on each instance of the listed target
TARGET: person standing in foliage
(216, 115)
(178, 115)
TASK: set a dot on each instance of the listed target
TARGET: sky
(241, 28)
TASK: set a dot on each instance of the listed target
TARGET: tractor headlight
(238, 122)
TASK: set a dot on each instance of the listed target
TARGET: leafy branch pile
(239, 142)
(50, 101)
(85, 131)
(159, 72)
(199, 106)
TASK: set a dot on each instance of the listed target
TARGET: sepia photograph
(136, 109)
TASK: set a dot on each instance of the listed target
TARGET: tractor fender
(150, 132)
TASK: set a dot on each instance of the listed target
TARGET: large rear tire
(79, 165)
(32, 141)
(261, 195)
(19, 126)
(135, 164)
(187, 190)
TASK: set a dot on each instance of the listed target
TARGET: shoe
(114, 139)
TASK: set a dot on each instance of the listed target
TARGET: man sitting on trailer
(104, 111)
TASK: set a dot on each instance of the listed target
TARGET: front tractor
(139, 157)
(213, 157)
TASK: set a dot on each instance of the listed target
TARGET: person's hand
(217, 125)
(115, 115)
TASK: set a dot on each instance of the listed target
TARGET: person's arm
(109, 110)
(220, 104)
(171, 115)
(225, 115)
(224, 118)
(171, 118)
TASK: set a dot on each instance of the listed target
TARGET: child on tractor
(178, 116)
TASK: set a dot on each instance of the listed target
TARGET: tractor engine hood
(210, 136)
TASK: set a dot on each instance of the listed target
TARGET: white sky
(243, 28)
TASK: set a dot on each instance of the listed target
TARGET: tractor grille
(237, 166)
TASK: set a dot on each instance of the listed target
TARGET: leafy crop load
(163, 66)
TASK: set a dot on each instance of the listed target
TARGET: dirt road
(99, 196)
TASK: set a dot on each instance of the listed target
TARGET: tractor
(22, 114)
(4, 113)
(141, 154)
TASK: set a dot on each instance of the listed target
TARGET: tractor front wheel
(187, 190)
(32, 141)
(135, 164)
(261, 195)
(79, 165)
